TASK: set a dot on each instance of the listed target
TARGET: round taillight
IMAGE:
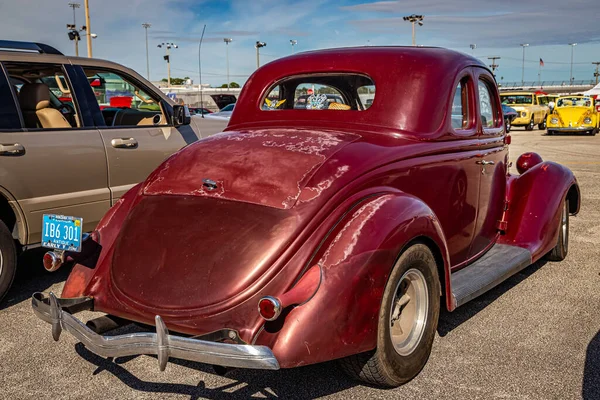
(51, 261)
(269, 308)
(526, 161)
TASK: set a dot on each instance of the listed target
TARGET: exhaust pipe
(106, 323)
(53, 261)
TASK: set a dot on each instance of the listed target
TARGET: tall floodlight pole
(200, 70)
(227, 41)
(89, 27)
(523, 45)
(167, 57)
(414, 19)
(146, 25)
(571, 74)
(597, 73)
(74, 27)
(258, 46)
(473, 46)
(293, 43)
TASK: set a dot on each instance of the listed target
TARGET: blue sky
(497, 27)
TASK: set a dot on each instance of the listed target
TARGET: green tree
(231, 85)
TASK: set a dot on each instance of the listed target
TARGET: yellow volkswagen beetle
(574, 114)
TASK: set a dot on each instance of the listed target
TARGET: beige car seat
(34, 99)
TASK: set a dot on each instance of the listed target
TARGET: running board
(498, 264)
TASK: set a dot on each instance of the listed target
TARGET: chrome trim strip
(160, 343)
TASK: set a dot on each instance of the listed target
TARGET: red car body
(315, 207)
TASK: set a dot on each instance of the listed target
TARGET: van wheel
(8, 260)
(559, 252)
(530, 125)
(408, 320)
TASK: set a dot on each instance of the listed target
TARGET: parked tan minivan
(75, 135)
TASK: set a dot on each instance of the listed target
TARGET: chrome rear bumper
(57, 312)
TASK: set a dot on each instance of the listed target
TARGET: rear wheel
(559, 252)
(8, 260)
(508, 125)
(542, 125)
(407, 322)
(530, 125)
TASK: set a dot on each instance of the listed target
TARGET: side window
(122, 102)
(9, 114)
(45, 96)
(486, 105)
(460, 106)
(366, 94)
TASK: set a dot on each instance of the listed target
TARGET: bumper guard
(58, 312)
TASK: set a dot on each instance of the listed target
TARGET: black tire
(550, 133)
(530, 125)
(384, 366)
(8, 260)
(542, 125)
(508, 125)
(559, 252)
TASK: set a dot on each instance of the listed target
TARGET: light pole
(227, 41)
(414, 19)
(523, 45)
(146, 25)
(74, 34)
(293, 43)
(89, 28)
(473, 47)
(571, 74)
(258, 45)
(167, 57)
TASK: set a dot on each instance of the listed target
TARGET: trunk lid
(190, 252)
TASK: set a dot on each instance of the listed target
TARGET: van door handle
(484, 162)
(15, 149)
(124, 143)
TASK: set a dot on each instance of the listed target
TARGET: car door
(56, 169)
(136, 129)
(492, 164)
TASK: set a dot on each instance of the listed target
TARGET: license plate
(60, 232)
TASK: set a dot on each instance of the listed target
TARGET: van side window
(9, 115)
(122, 101)
(45, 96)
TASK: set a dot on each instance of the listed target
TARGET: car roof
(406, 77)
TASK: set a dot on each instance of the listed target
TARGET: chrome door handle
(15, 149)
(124, 143)
(484, 162)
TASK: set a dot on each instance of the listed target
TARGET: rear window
(341, 92)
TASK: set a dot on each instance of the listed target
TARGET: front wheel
(8, 260)
(559, 252)
(530, 125)
(407, 323)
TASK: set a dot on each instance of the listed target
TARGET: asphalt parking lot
(536, 336)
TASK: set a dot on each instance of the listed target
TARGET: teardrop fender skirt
(59, 313)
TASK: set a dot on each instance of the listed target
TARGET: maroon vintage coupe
(331, 231)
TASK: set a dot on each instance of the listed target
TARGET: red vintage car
(334, 231)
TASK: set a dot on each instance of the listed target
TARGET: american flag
(541, 62)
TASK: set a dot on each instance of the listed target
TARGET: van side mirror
(181, 115)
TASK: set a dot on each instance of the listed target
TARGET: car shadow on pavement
(451, 320)
(31, 277)
(307, 382)
(591, 373)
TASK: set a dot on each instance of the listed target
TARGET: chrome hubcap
(408, 314)
(1, 262)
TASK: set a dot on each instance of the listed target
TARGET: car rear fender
(534, 206)
(356, 259)
(82, 276)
